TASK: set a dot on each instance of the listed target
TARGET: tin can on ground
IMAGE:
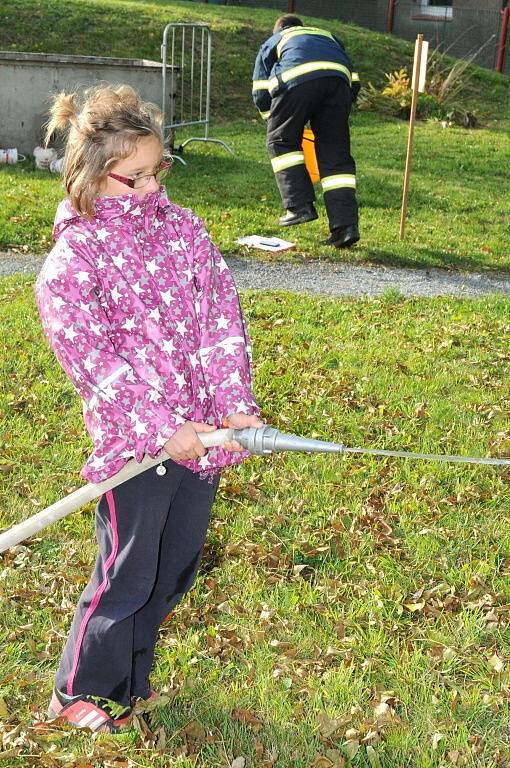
(10, 156)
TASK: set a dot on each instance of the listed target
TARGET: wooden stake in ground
(417, 85)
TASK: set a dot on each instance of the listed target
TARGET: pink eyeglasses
(142, 181)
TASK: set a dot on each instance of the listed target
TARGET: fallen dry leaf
(413, 607)
(247, 717)
(436, 738)
(337, 758)
(321, 762)
(352, 748)
(327, 726)
(194, 730)
(383, 713)
(496, 663)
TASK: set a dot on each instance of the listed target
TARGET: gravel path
(352, 280)
(330, 279)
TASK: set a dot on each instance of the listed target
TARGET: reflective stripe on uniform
(299, 31)
(282, 162)
(339, 181)
(305, 69)
(354, 77)
(260, 85)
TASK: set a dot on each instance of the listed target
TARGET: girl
(143, 315)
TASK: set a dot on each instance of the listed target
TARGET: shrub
(444, 85)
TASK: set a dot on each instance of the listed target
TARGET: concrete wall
(29, 80)
(481, 5)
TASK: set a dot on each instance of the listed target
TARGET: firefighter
(303, 74)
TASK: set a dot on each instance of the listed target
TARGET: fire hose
(260, 441)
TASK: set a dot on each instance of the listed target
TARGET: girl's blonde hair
(103, 127)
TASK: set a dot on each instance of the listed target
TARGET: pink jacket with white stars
(144, 317)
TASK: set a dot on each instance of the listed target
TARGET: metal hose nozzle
(265, 440)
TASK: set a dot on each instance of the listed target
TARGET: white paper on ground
(274, 244)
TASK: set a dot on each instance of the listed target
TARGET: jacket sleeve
(125, 416)
(224, 344)
(355, 81)
(261, 74)
(355, 85)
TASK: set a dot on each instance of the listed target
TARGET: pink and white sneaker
(97, 714)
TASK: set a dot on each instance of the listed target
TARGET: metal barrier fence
(186, 54)
(464, 32)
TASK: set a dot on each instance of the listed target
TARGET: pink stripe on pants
(99, 591)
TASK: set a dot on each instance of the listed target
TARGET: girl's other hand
(239, 421)
(185, 443)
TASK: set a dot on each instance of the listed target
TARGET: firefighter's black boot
(343, 237)
(298, 215)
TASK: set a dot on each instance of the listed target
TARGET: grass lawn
(349, 611)
(458, 212)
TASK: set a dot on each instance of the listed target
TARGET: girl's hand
(185, 443)
(239, 421)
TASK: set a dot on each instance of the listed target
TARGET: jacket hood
(106, 208)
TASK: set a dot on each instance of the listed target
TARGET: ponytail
(64, 112)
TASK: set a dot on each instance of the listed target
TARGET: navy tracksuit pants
(325, 103)
(150, 531)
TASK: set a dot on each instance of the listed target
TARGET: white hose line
(83, 495)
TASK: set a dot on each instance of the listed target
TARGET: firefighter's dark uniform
(301, 75)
